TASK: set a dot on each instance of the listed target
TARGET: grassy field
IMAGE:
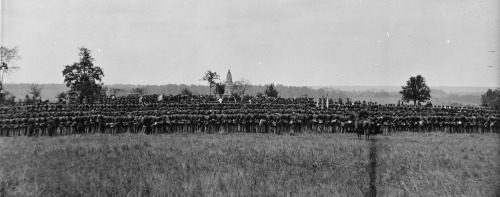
(405, 164)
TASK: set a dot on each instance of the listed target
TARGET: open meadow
(403, 164)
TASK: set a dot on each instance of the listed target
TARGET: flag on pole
(67, 99)
(327, 103)
(317, 102)
(320, 103)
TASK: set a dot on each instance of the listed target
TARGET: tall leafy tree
(271, 91)
(83, 78)
(415, 90)
(210, 77)
(491, 99)
(7, 56)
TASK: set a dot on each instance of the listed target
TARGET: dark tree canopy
(271, 91)
(61, 97)
(83, 78)
(210, 77)
(416, 90)
(491, 99)
(186, 91)
(220, 88)
(6, 98)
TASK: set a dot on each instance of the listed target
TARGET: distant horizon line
(313, 86)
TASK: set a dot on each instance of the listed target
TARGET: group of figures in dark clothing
(153, 114)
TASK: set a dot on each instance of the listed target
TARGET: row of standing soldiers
(273, 116)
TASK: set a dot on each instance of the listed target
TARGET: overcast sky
(291, 42)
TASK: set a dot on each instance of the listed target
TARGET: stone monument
(228, 90)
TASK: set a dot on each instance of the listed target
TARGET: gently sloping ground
(249, 165)
(176, 164)
(437, 164)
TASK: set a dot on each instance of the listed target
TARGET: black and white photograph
(250, 98)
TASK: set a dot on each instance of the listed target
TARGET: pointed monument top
(229, 77)
(229, 83)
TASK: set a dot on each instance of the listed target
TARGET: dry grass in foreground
(405, 164)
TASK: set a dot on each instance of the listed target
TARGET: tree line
(83, 84)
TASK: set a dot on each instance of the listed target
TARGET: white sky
(291, 42)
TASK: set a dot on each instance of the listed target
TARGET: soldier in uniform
(293, 123)
(262, 124)
(136, 122)
(3, 129)
(102, 123)
(30, 126)
(386, 120)
(285, 122)
(51, 126)
(212, 123)
(43, 126)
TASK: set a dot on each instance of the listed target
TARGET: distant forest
(439, 97)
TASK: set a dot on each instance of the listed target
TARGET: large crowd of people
(153, 114)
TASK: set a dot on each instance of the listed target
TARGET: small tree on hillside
(83, 77)
(415, 90)
(34, 94)
(271, 91)
(35, 90)
(186, 91)
(113, 91)
(210, 77)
